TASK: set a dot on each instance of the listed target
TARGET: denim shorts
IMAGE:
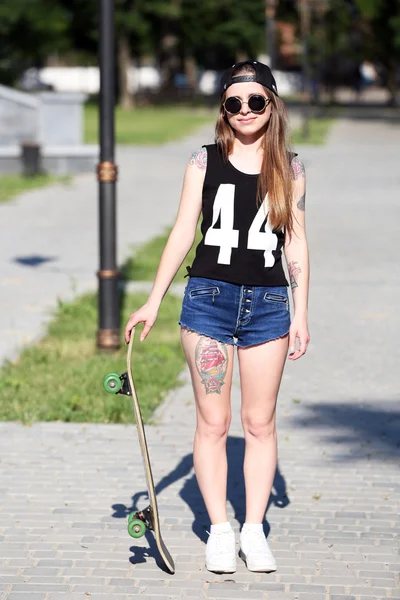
(242, 315)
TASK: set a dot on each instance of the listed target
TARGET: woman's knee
(259, 427)
(213, 427)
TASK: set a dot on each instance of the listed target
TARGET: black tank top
(238, 244)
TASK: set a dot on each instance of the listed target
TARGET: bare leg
(261, 370)
(210, 363)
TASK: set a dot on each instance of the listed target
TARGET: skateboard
(148, 518)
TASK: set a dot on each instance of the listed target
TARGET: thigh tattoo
(211, 363)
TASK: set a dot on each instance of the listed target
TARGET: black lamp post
(108, 334)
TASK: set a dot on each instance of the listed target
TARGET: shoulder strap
(215, 161)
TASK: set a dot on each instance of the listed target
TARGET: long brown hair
(276, 174)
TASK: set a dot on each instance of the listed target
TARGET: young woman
(251, 192)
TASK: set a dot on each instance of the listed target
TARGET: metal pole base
(108, 333)
(108, 339)
(31, 159)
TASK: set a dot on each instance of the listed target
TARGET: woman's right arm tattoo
(297, 168)
(199, 158)
(301, 205)
(294, 271)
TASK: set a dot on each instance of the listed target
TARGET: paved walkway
(65, 489)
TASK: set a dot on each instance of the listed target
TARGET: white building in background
(208, 82)
(72, 79)
(288, 83)
(87, 79)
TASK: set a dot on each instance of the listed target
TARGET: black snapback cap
(263, 75)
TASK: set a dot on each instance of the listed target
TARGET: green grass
(148, 125)
(13, 185)
(143, 264)
(156, 125)
(61, 377)
(318, 132)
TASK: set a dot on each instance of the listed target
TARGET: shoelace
(258, 542)
(221, 541)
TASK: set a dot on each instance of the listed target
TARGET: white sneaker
(221, 552)
(254, 550)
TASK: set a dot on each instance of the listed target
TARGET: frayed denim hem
(212, 337)
(232, 343)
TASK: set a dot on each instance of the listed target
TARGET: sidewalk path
(65, 489)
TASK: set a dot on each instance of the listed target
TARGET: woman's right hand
(147, 314)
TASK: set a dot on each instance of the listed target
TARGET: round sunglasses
(256, 103)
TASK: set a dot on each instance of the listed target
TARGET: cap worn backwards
(262, 75)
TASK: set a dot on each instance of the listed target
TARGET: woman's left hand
(298, 329)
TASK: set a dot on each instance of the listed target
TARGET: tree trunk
(169, 59)
(126, 101)
(241, 55)
(191, 71)
(391, 84)
(270, 32)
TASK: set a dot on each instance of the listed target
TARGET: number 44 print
(227, 238)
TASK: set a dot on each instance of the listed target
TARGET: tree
(30, 31)
(351, 31)
(219, 33)
(335, 45)
(147, 27)
(132, 28)
(381, 19)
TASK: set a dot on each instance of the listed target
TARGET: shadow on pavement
(366, 430)
(35, 260)
(370, 428)
(141, 554)
(190, 492)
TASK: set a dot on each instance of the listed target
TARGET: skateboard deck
(148, 518)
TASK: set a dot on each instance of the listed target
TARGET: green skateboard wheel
(136, 528)
(112, 383)
(132, 516)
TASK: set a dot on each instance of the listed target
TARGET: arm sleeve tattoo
(199, 158)
(301, 205)
(294, 271)
(297, 168)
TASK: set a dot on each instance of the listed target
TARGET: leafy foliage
(219, 32)
(30, 31)
(212, 33)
